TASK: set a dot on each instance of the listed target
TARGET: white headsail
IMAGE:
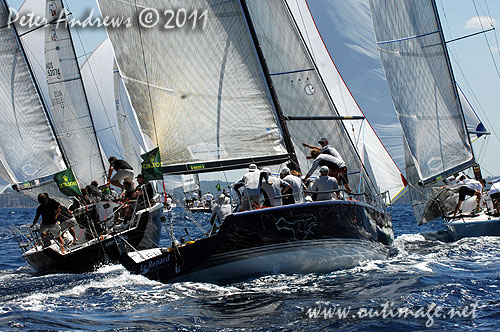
(342, 31)
(97, 77)
(475, 126)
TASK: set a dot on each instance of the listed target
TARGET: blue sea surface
(424, 276)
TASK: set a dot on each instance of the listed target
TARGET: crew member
(123, 171)
(324, 183)
(337, 167)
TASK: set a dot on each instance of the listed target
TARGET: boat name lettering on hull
(153, 263)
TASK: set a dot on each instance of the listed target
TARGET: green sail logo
(151, 165)
(67, 183)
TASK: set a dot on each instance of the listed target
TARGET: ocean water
(425, 284)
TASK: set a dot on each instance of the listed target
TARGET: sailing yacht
(236, 84)
(60, 142)
(431, 111)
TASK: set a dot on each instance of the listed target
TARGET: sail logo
(67, 184)
(152, 164)
(53, 35)
(196, 167)
(52, 9)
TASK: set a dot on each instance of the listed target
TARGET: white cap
(221, 198)
(266, 170)
(252, 167)
(285, 171)
(324, 170)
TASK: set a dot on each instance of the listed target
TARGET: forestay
(70, 112)
(198, 90)
(410, 42)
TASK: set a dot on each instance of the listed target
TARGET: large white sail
(131, 136)
(209, 69)
(303, 97)
(97, 77)
(342, 31)
(192, 88)
(410, 42)
(69, 109)
(29, 149)
(33, 39)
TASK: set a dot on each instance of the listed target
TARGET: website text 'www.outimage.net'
(388, 310)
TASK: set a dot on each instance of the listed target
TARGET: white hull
(481, 225)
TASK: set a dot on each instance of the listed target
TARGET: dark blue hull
(270, 240)
(95, 252)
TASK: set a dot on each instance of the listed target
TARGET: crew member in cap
(324, 148)
(336, 164)
(144, 191)
(295, 183)
(324, 183)
(220, 210)
(337, 167)
(274, 188)
(251, 181)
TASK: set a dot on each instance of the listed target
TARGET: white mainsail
(29, 149)
(418, 71)
(410, 42)
(213, 89)
(191, 88)
(69, 108)
(190, 182)
(342, 30)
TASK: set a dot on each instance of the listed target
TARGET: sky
(472, 62)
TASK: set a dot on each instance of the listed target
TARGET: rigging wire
(456, 60)
(487, 41)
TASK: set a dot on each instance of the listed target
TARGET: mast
(457, 98)
(83, 88)
(37, 88)
(281, 119)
